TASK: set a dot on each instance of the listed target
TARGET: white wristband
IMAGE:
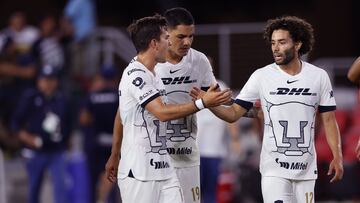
(199, 104)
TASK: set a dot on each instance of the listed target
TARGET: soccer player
(184, 68)
(354, 76)
(291, 91)
(146, 173)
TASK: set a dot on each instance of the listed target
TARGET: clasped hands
(213, 96)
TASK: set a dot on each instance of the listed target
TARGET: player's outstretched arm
(334, 142)
(354, 72)
(111, 167)
(166, 112)
(227, 113)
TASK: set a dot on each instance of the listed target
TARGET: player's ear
(153, 43)
(298, 46)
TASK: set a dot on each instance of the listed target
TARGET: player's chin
(183, 51)
(278, 59)
(279, 62)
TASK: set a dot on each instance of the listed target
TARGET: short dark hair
(299, 29)
(143, 30)
(178, 16)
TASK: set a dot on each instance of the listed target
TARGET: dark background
(336, 23)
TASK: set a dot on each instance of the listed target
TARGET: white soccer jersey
(289, 104)
(194, 70)
(143, 149)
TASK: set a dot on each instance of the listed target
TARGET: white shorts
(162, 191)
(281, 190)
(190, 183)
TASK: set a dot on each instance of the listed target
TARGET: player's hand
(337, 166)
(357, 150)
(111, 167)
(213, 97)
(196, 93)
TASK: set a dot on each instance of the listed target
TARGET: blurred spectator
(81, 14)
(41, 122)
(17, 71)
(18, 39)
(96, 118)
(20, 33)
(80, 18)
(47, 50)
(214, 145)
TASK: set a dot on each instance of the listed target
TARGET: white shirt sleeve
(142, 87)
(251, 89)
(327, 99)
(208, 74)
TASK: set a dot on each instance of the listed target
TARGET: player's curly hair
(299, 29)
(143, 30)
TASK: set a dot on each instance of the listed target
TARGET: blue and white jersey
(289, 104)
(194, 70)
(143, 149)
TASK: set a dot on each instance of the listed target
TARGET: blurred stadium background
(231, 33)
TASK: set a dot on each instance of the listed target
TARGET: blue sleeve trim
(323, 109)
(150, 99)
(245, 104)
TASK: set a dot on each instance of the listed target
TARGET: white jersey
(194, 70)
(143, 149)
(289, 104)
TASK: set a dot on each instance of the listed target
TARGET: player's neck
(173, 58)
(147, 60)
(293, 67)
